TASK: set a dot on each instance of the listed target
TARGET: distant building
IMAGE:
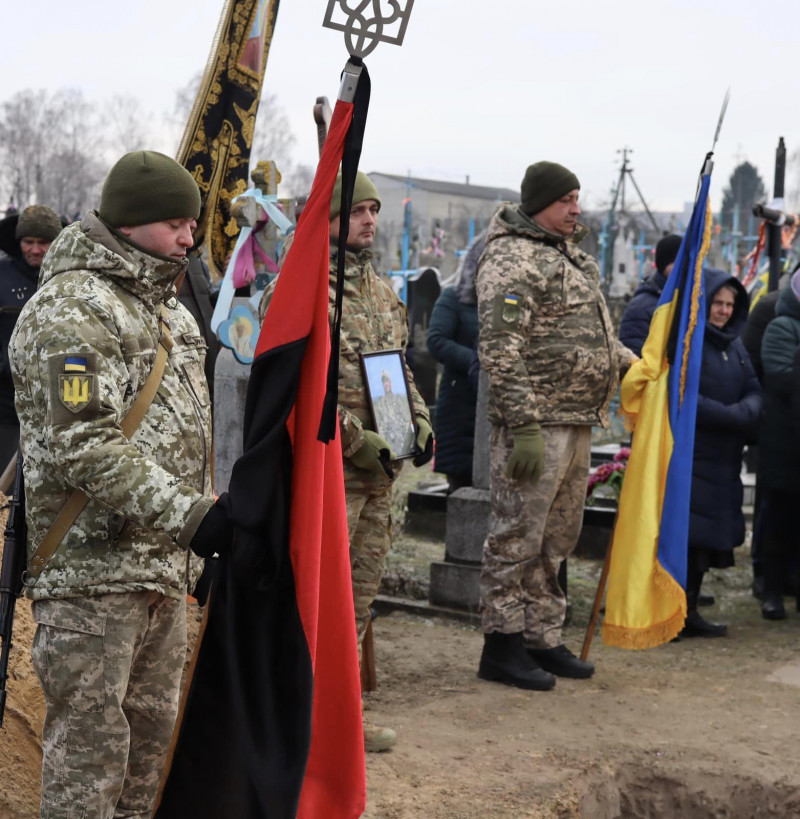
(440, 218)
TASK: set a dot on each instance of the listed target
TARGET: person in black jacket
(25, 238)
(779, 448)
(197, 297)
(728, 407)
(451, 337)
(761, 314)
(635, 324)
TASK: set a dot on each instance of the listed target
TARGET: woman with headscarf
(728, 407)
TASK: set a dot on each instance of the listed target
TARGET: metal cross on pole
(362, 32)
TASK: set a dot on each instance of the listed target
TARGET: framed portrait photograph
(390, 400)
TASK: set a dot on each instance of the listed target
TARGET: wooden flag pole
(369, 680)
(598, 597)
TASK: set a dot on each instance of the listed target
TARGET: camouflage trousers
(369, 527)
(110, 668)
(531, 530)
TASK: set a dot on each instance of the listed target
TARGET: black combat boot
(562, 662)
(696, 625)
(505, 660)
(775, 575)
(772, 608)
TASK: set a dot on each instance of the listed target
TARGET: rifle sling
(77, 501)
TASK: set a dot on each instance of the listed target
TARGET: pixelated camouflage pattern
(532, 528)
(100, 300)
(373, 318)
(546, 339)
(392, 415)
(369, 527)
(110, 668)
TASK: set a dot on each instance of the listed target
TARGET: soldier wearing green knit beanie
(153, 202)
(147, 186)
(112, 400)
(373, 321)
(552, 359)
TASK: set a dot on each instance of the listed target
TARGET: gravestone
(422, 291)
(454, 581)
(230, 376)
(230, 391)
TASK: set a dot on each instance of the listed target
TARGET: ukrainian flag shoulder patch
(73, 388)
(74, 364)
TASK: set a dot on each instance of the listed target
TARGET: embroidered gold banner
(216, 144)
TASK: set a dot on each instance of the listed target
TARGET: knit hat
(667, 251)
(364, 189)
(145, 187)
(543, 184)
(38, 222)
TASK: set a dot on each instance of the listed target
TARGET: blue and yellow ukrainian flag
(74, 364)
(646, 600)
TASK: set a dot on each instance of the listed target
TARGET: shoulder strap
(77, 501)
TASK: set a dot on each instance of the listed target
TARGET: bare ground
(696, 729)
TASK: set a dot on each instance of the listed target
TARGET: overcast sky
(478, 89)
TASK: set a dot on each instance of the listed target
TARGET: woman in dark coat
(451, 337)
(779, 448)
(728, 407)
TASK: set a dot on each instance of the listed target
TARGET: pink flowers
(606, 480)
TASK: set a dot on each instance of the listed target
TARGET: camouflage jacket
(82, 349)
(546, 339)
(373, 318)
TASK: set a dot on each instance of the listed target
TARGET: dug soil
(697, 729)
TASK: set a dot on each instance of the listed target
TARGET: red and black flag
(271, 722)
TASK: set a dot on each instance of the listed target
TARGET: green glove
(374, 454)
(526, 462)
(424, 442)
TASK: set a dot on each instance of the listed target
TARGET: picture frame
(390, 401)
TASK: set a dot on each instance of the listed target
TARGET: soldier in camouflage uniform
(552, 358)
(393, 417)
(373, 319)
(110, 605)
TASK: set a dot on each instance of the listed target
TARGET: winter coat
(635, 324)
(760, 316)
(728, 407)
(195, 296)
(547, 343)
(779, 437)
(82, 350)
(451, 336)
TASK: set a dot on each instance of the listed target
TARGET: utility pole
(618, 195)
(775, 232)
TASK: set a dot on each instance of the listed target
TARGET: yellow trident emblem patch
(75, 391)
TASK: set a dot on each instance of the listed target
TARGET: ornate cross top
(366, 23)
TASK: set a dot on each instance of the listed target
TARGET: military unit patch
(73, 385)
(506, 310)
(75, 391)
